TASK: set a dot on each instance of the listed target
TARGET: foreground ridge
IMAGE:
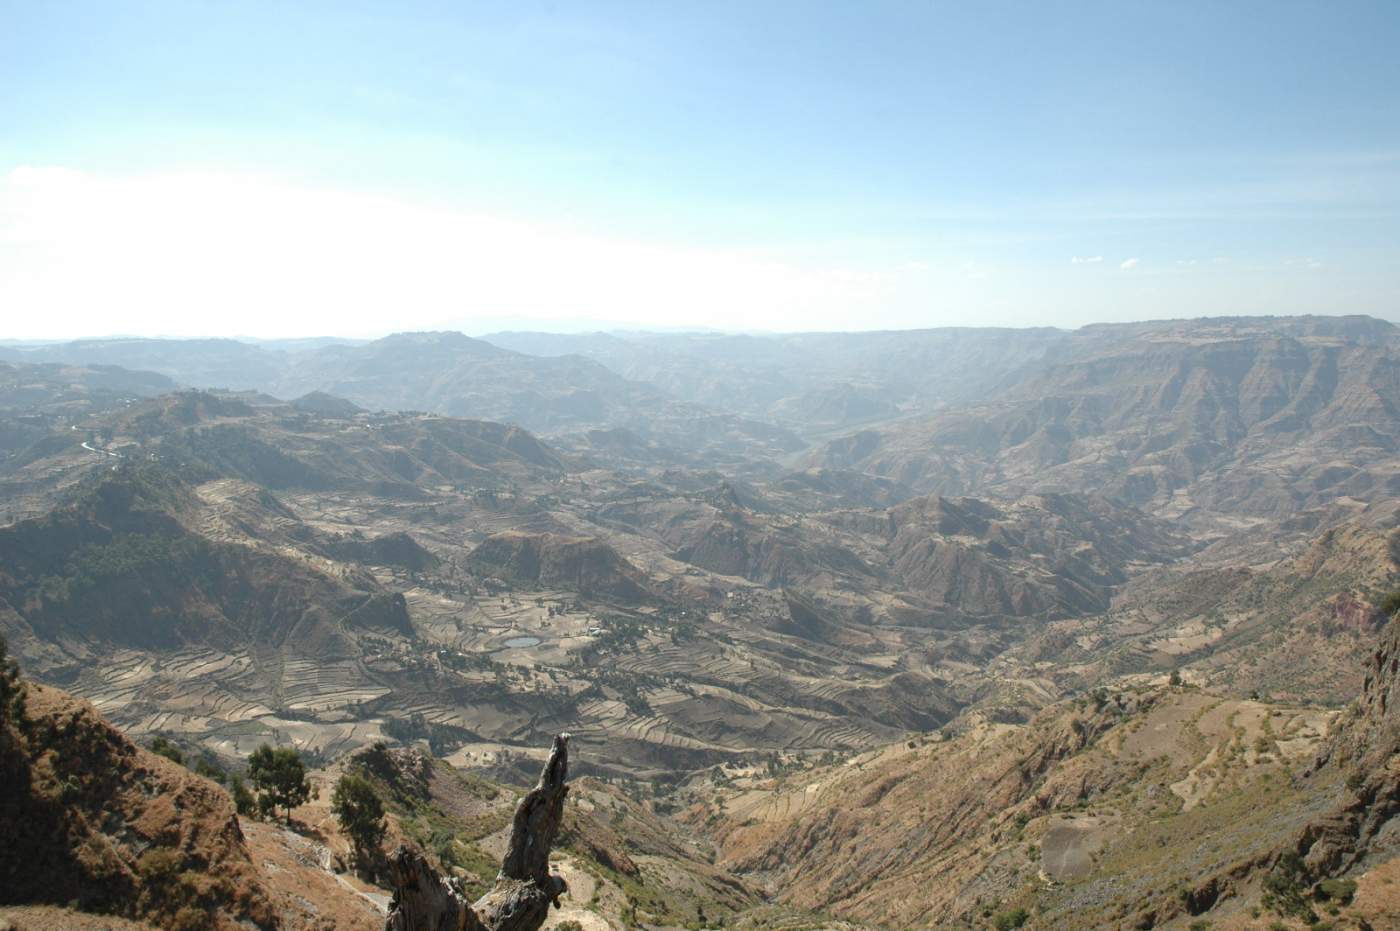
(425, 900)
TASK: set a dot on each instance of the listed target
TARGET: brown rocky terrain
(1074, 625)
(97, 824)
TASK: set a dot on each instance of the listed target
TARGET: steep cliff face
(1367, 749)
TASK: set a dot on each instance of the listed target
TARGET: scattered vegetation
(1285, 888)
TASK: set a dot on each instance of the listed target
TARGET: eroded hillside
(1071, 629)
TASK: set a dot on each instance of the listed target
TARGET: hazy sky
(196, 168)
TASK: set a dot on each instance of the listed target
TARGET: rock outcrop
(424, 900)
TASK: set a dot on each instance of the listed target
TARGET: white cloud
(1086, 260)
(1129, 264)
(198, 253)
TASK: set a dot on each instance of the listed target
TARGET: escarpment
(1365, 748)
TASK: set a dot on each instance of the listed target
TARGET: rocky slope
(94, 823)
(1191, 418)
(1298, 627)
(1133, 808)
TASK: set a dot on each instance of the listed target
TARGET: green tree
(11, 687)
(210, 770)
(280, 778)
(167, 749)
(360, 812)
(242, 799)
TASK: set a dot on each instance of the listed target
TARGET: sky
(295, 169)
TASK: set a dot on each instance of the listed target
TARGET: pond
(517, 642)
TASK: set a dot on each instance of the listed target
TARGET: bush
(162, 747)
(210, 770)
(1014, 918)
(1340, 891)
(1285, 885)
(190, 918)
(159, 866)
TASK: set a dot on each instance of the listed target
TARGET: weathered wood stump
(425, 900)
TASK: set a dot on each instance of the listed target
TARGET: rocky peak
(426, 901)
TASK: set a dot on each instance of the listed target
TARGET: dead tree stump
(425, 900)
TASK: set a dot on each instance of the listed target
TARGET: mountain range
(905, 629)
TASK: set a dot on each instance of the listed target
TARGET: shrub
(1285, 885)
(165, 748)
(1006, 921)
(158, 866)
(210, 770)
(1338, 890)
(189, 918)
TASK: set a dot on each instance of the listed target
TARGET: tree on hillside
(280, 778)
(167, 749)
(11, 687)
(242, 799)
(360, 812)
